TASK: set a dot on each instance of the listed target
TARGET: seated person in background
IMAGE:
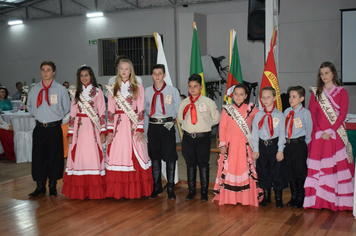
(17, 95)
(5, 104)
(66, 84)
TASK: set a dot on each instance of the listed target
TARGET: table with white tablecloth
(23, 124)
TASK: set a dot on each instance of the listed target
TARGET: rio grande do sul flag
(269, 77)
(196, 66)
(235, 75)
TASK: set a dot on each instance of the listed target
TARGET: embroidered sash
(123, 104)
(240, 121)
(332, 116)
(89, 111)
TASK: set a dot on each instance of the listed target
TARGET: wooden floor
(46, 215)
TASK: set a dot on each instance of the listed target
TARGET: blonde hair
(132, 79)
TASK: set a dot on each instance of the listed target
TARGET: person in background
(161, 106)
(48, 102)
(5, 104)
(182, 96)
(329, 183)
(112, 80)
(17, 95)
(197, 114)
(85, 173)
(66, 84)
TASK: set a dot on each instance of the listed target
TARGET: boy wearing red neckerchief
(298, 127)
(161, 108)
(268, 143)
(197, 114)
(48, 102)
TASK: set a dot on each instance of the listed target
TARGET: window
(142, 51)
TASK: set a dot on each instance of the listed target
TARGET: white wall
(310, 33)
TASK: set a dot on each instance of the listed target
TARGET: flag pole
(176, 119)
(230, 49)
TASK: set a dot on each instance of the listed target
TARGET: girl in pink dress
(329, 183)
(85, 172)
(128, 167)
(236, 180)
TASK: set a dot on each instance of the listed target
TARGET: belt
(161, 120)
(269, 142)
(49, 124)
(82, 115)
(119, 112)
(295, 140)
(196, 135)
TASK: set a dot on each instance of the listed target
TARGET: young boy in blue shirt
(298, 128)
(268, 130)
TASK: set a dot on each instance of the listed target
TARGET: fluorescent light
(95, 14)
(15, 22)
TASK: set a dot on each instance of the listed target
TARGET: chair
(23, 129)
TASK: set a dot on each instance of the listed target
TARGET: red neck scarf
(193, 110)
(153, 104)
(291, 118)
(270, 122)
(39, 97)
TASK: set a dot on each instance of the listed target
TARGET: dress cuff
(140, 130)
(332, 132)
(222, 144)
(69, 135)
(318, 134)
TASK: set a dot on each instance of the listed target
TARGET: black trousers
(47, 153)
(196, 151)
(296, 155)
(270, 172)
(162, 143)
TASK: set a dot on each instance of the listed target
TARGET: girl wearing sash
(85, 172)
(128, 167)
(329, 183)
(236, 180)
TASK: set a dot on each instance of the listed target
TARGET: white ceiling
(39, 9)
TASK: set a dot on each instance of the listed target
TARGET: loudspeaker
(256, 20)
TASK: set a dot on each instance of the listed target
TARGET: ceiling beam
(39, 9)
(86, 7)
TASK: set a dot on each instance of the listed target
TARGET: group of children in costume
(260, 150)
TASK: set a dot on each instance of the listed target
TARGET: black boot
(170, 179)
(266, 197)
(293, 190)
(300, 193)
(40, 189)
(52, 188)
(192, 178)
(157, 180)
(278, 197)
(204, 182)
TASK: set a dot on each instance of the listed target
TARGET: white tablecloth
(23, 124)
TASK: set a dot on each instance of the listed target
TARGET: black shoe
(157, 180)
(278, 197)
(170, 179)
(293, 191)
(266, 197)
(40, 189)
(192, 176)
(52, 188)
(204, 183)
(300, 193)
